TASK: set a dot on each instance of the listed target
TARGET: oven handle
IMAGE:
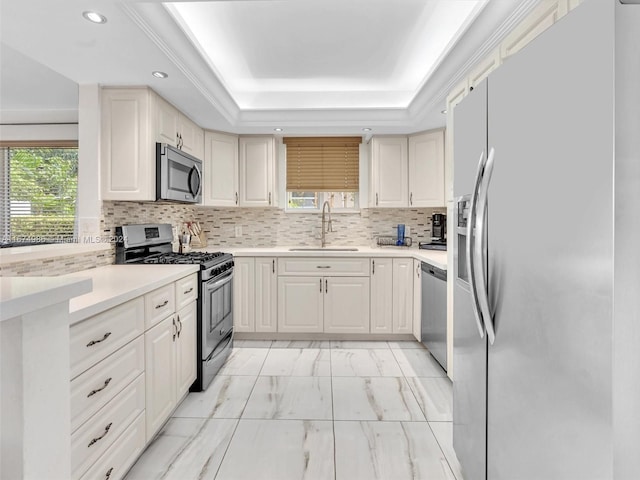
(221, 346)
(214, 284)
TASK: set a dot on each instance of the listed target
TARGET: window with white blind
(38, 193)
(322, 169)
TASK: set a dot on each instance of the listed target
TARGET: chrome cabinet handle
(175, 328)
(96, 440)
(469, 246)
(269, 198)
(326, 286)
(411, 198)
(180, 325)
(162, 304)
(188, 291)
(273, 265)
(323, 266)
(236, 198)
(93, 342)
(108, 475)
(106, 383)
(320, 285)
(376, 199)
(373, 267)
(418, 270)
(480, 247)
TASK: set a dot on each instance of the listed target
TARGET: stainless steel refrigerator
(547, 271)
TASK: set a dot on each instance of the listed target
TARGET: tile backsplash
(256, 227)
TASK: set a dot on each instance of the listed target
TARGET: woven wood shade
(322, 164)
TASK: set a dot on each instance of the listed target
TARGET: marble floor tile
(374, 398)
(406, 344)
(186, 448)
(443, 432)
(301, 398)
(417, 363)
(359, 344)
(301, 362)
(252, 343)
(301, 344)
(244, 361)
(435, 396)
(279, 450)
(226, 397)
(364, 363)
(388, 451)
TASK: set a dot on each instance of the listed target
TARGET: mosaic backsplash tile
(260, 227)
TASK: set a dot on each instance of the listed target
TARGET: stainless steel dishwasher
(434, 312)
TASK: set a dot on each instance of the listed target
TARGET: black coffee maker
(439, 229)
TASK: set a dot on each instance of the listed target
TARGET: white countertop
(39, 252)
(436, 258)
(115, 284)
(21, 295)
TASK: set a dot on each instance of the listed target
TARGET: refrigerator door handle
(469, 247)
(480, 248)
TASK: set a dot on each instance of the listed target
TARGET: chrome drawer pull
(96, 440)
(323, 266)
(188, 291)
(106, 383)
(108, 475)
(93, 342)
(162, 304)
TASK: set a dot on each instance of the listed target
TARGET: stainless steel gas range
(151, 244)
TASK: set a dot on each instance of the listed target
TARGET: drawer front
(121, 455)
(92, 440)
(323, 266)
(159, 304)
(101, 335)
(186, 291)
(95, 387)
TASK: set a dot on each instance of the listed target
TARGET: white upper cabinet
(426, 169)
(389, 172)
(133, 120)
(257, 172)
(221, 170)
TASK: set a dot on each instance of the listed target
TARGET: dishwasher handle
(436, 272)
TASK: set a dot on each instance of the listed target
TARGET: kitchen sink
(325, 249)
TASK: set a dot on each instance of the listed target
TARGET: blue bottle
(400, 240)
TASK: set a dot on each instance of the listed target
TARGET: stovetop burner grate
(183, 258)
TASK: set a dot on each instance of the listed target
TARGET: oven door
(217, 312)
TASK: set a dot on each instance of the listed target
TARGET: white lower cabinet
(402, 295)
(266, 295)
(244, 294)
(300, 304)
(417, 300)
(381, 295)
(170, 354)
(346, 305)
(311, 303)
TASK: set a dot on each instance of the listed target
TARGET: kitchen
(267, 229)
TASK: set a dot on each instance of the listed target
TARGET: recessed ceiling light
(94, 17)
(366, 129)
(277, 129)
(159, 74)
(444, 112)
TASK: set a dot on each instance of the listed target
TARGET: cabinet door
(426, 169)
(300, 304)
(346, 305)
(166, 122)
(417, 299)
(127, 164)
(381, 295)
(191, 137)
(244, 295)
(256, 172)
(160, 374)
(266, 295)
(221, 170)
(402, 295)
(186, 352)
(390, 172)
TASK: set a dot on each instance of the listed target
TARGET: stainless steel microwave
(178, 175)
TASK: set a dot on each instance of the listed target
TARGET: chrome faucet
(329, 225)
